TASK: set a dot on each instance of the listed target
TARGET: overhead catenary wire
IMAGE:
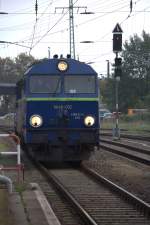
(66, 29)
(53, 26)
(36, 11)
(79, 24)
(110, 33)
(106, 34)
(37, 19)
(61, 29)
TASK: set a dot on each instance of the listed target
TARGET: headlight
(62, 66)
(89, 121)
(36, 121)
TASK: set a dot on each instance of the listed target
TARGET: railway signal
(117, 38)
(117, 47)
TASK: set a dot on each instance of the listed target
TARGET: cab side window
(20, 89)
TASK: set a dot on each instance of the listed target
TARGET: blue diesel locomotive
(57, 110)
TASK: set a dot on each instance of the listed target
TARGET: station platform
(31, 207)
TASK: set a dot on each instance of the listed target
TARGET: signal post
(117, 47)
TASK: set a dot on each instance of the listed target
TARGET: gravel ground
(133, 176)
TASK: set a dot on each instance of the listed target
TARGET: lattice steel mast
(71, 30)
(71, 25)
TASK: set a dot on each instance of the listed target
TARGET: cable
(105, 14)
(83, 23)
(131, 8)
(110, 31)
(52, 26)
(36, 11)
(37, 20)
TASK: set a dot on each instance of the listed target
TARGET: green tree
(22, 62)
(134, 85)
(10, 72)
(136, 56)
(107, 93)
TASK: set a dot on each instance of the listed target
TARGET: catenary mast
(71, 25)
(71, 30)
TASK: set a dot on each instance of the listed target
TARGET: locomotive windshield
(45, 84)
(79, 84)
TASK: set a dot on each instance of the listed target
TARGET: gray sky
(51, 29)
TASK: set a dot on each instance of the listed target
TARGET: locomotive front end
(61, 110)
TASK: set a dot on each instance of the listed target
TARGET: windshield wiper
(57, 86)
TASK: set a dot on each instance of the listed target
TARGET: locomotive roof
(48, 66)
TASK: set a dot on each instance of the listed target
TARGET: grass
(5, 144)
(20, 188)
(3, 147)
(132, 126)
(6, 160)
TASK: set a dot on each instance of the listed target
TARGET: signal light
(118, 62)
(117, 42)
(117, 38)
(118, 67)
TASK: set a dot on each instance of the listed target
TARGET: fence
(18, 167)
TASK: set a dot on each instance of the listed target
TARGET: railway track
(86, 198)
(144, 137)
(63, 211)
(95, 199)
(133, 151)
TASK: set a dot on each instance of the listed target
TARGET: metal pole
(18, 154)
(49, 54)
(71, 29)
(116, 132)
(71, 25)
(7, 181)
(108, 69)
(116, 104)
(117, 122)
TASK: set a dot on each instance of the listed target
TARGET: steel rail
(63, 191)
(133, 148)
(129, 197)
(129, 136)
(126, 154)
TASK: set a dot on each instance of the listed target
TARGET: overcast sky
(52, 27)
